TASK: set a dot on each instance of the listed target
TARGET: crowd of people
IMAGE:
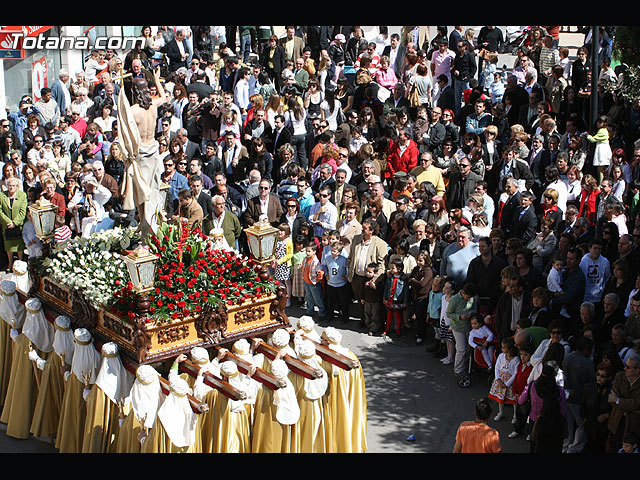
(416, 185)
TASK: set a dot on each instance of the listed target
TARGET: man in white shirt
(323, 214)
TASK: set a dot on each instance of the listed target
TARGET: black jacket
(524, 227)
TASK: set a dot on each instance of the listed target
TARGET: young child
(488, 72)
(297, 283)
(480, 338)
(496, 88)
(396, 294)
(337, 286)
(603, 154)
(420, 281)
(554, 279)
(522, 375)
(312, 286)
(282, 263)
(433, 314)
(505, 375)
(372, 299)
(96, 63)
(448, 291)
(629, 443)
(62, 233)
(357, 139)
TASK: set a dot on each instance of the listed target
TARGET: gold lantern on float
(141, 265)
(43, 217)
(261, 237)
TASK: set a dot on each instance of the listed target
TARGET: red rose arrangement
(191, 275)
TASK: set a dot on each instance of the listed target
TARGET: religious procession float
(180, 290)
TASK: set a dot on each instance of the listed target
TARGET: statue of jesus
(143, 167)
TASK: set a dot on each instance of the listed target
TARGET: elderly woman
(13, 213)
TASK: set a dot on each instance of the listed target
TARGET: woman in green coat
(13, 213)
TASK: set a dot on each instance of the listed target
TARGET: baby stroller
(514, 38)
(477, 361)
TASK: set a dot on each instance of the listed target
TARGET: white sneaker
(446, 361)
(498, 417)
(513, 434)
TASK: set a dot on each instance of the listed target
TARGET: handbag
(414, 99)
(14, 233)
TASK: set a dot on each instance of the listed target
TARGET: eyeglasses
(265, 188)
(324, 195)
(293, 205)
(464, 165)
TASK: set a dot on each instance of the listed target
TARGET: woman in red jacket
(589, 199)
(403, 155)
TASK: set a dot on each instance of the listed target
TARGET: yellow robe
(127, 438)
(207, 422)
(268, 435)
(101, 423)
(72, 417)
(232, 430)
(347, 401)
(22, 392)
(158, 441)
(312, 432)
(6, 352)
(46, 414)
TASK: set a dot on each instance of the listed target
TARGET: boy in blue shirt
(337, 287)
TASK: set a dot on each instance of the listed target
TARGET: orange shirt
(478, 438)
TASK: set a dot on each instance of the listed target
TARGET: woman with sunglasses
(292, 216)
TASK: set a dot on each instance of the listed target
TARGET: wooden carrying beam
(196, 405)
(260, 375)
(295, 365)
(333, 357)
(212, 381)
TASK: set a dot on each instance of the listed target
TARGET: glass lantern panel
(254, 246)
(268, 244)
(133, 273)
(48, 220)
(147, 274)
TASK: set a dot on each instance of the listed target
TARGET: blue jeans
(314, 297)
(245, 47)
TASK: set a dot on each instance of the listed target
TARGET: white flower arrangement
(90, 265)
